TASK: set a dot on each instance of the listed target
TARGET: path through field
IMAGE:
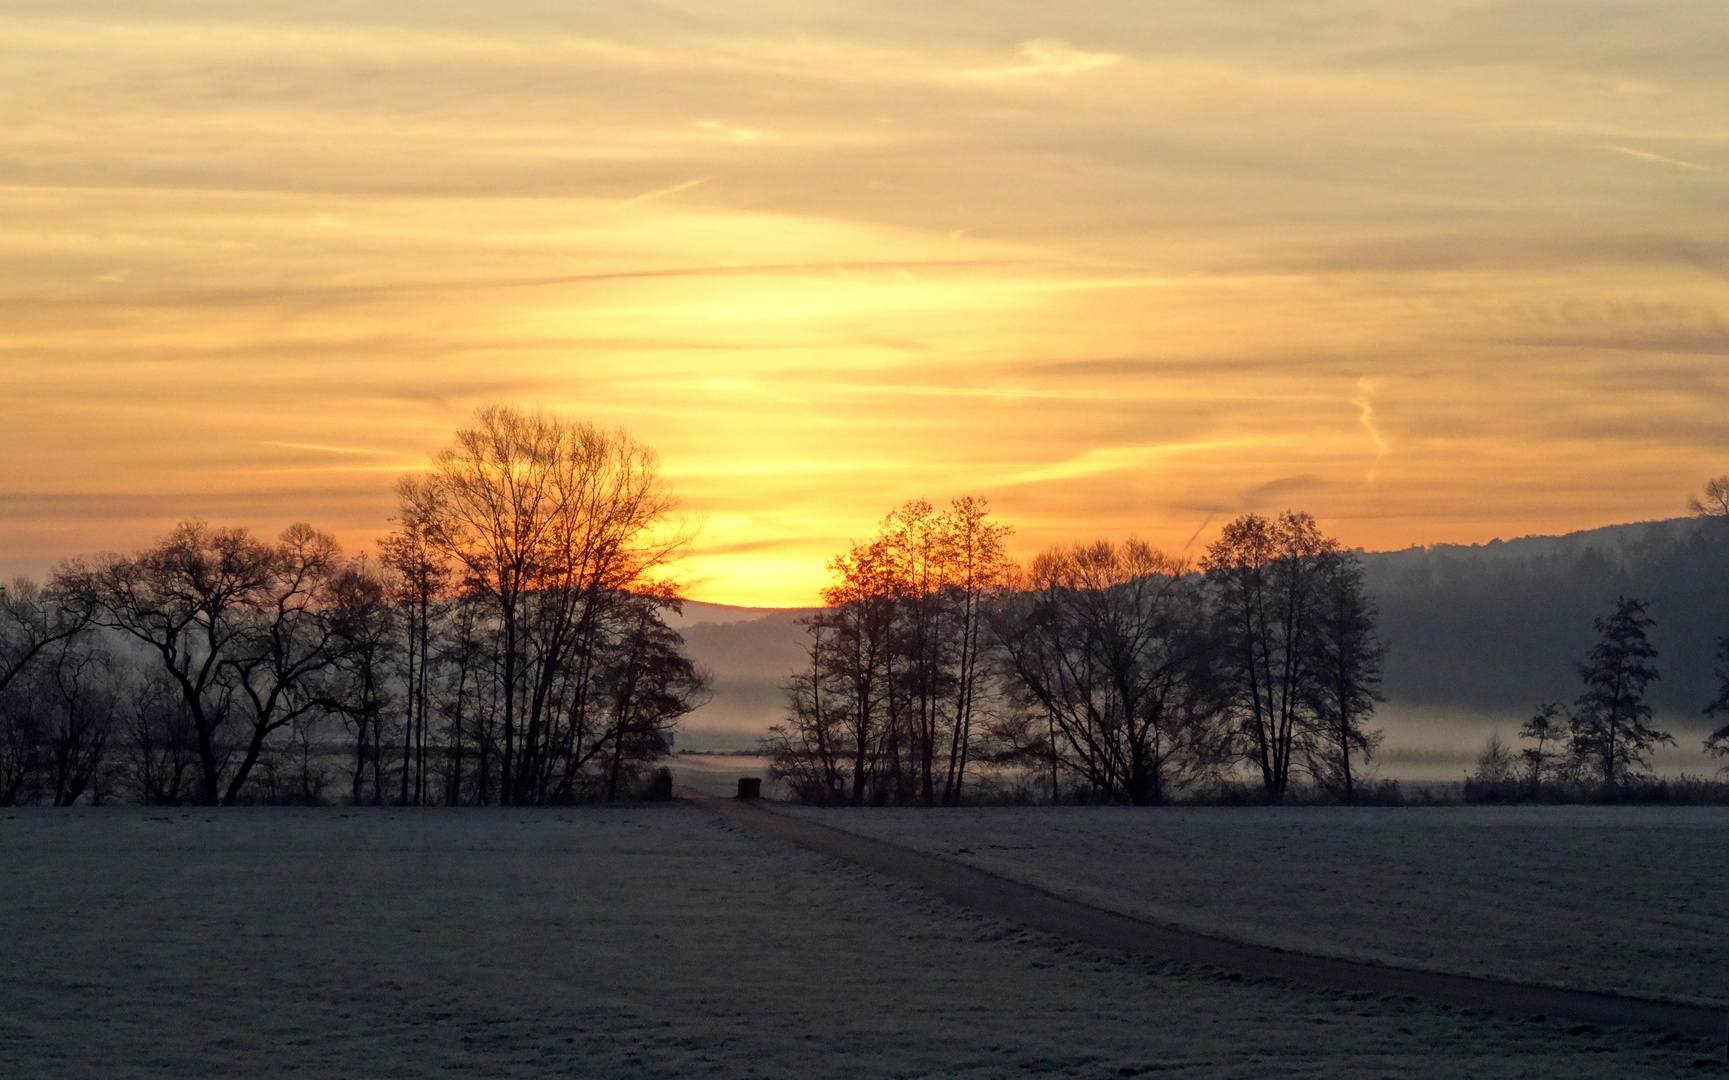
(1050, 912)
(633, 942)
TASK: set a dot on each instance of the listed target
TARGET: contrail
(660, 192)
(1366, 415)
(1204, 523)
(1646, 155)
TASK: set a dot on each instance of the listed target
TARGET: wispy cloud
(1113, 459)
(1045, 57)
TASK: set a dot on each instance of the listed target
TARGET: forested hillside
(1503, 625)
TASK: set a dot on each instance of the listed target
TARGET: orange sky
(1439, 274)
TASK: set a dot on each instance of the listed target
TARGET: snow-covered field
(1633, 900)
(649, 941)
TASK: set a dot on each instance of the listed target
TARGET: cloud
(1045, 57)
(1168, 276)
(1103, 460)
(1273, 492)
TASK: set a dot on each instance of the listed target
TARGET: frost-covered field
(623, 942)
(1627, 899)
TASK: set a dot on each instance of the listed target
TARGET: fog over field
(1480, 635)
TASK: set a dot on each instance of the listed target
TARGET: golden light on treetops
(1433, 274)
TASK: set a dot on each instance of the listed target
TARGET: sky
(1435, 272)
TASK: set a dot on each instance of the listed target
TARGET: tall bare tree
(549, 521)
(1268, 577)
(1347, 676)
(1108, 645)
(288, 638)
(422, 580)
(897, 661)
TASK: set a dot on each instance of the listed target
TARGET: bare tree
(1267, 577)
(240, 627)
(1109, 645)
(898, 668)
(32, 620)
(648, 684)
(1347, 657)
(977, 564)
(185, 599)
(804, 750)
(357, 684)
(159, 746)
(549, 521)
(85, 703)
(287, 639)
(420, 585)
(1715, 502)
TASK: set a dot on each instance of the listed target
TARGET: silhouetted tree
(1547, 727)
(240, 627)
(1717, 743)
(804, 750)
(647, 683)
(290, 633)
(550, 522)
(83, 700)
(158, 750)
(1715, 502)
(185, 599)
(859, 668)
(975, 564)
(358, 685)
(1267, 578)
(1109, 646)
(420, 584)
(1347, 657)
(32, 620)
(1496, 766)
(1608, 732)
(897, 675)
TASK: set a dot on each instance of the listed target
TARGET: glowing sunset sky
(1435, 271)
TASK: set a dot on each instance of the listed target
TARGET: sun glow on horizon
(1434, 275)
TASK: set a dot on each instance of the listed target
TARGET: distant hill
(750, 653)
(1503, 625)
(1496, 627)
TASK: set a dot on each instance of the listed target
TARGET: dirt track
(1052, 914)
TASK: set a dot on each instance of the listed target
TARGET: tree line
(508, 645)
(1122, 673)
